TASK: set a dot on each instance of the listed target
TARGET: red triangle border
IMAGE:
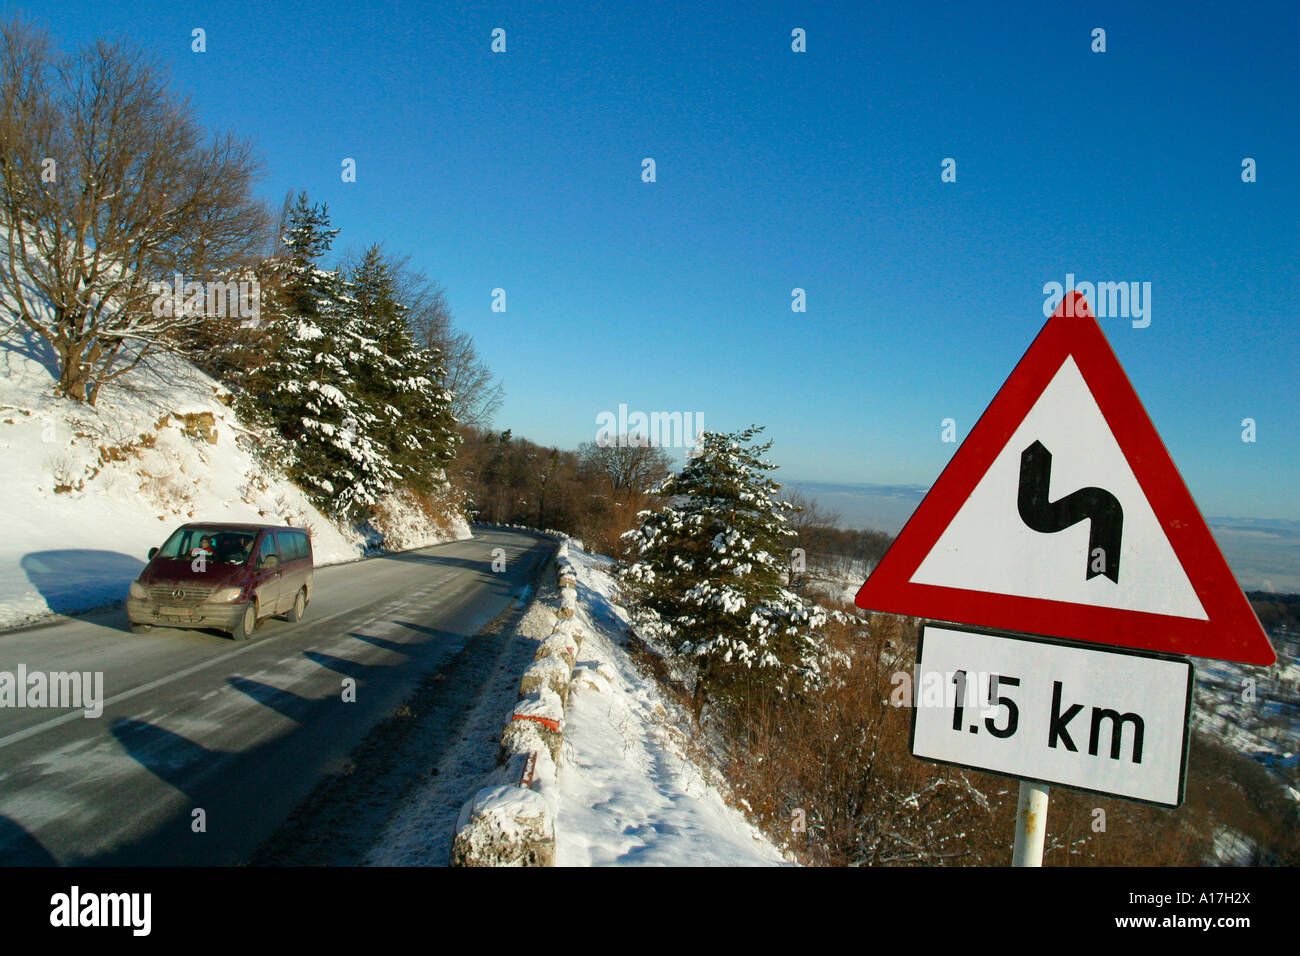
(1232, 631)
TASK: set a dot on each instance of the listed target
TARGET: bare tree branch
(476, 394)
(108, 187)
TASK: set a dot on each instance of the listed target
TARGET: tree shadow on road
(439, 560)
(381, 642)
(283, 702)
(165, 754)
(20, 848)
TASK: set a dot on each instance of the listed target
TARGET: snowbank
(87, 491)
(589, 770)
(530, 746)
(505, 826)
(628, 795)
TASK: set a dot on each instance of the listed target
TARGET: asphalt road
(196, 728)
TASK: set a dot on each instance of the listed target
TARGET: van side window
(304, 549)
(290, 545)
(268, 545)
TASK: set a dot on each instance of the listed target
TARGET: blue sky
(818, 170)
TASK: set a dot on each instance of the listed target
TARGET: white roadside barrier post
(1031, 824)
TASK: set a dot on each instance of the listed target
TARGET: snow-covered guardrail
(511, 820)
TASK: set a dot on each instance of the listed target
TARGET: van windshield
(221, 547)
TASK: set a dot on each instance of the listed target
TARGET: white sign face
(1106, 720)
(990, 546)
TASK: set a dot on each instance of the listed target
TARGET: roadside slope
(629, 794)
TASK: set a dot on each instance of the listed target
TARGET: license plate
(175, 611)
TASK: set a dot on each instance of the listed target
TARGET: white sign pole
(1031, 824)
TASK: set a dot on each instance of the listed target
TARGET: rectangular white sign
(1107, 720)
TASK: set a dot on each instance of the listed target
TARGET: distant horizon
(1264, 553)
(924, 489)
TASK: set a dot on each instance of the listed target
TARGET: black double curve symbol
(1096, 505)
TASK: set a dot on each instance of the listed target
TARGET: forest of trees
(593, 493)
(349, 403)
(1275, 610)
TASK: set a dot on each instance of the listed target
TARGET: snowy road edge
(511, 820)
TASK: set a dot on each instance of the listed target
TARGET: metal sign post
(1031, 824)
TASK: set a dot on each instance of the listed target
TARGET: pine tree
(413, 422)
(708, 579)
(307, 239)
(309, 393)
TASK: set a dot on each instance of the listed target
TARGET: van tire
(247, 623)
(295, 613)
(140, 628)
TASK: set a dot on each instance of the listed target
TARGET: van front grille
(187, 595)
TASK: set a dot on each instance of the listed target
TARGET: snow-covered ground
(1255, 710)
(87, 491)
(628, 794)
(840, 583)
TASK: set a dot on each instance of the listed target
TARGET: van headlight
(137, 591)
(226, 595)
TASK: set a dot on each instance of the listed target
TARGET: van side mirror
(152, 552)
(268, 561)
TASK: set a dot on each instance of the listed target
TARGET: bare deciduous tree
(107, 186)
(808, 515)
(627, 465)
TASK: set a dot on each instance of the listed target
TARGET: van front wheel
(247, 623)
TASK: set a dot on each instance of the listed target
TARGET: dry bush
(1228, 789)
(1123, 833)
(69, 474)
(443, 508)
(509, 480)
(168, 492)
(602, 527)
(406, 519)
(126, 450)
(839, 754)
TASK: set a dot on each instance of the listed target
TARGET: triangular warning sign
(1062, 514)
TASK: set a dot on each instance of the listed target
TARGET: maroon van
(224, 576)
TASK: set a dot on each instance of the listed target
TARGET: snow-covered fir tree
(310, 391)
(708, 580)
(412, 419)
